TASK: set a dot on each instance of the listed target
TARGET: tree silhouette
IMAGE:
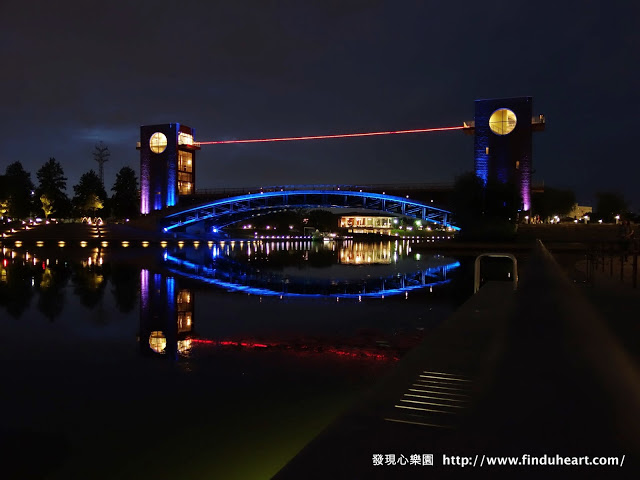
(93, 203)
(610, 204)
(322, 220)
(552, 202)
(125, 198)
(53, 184)
(18, 190)
(88, 191)
(485, 211)
(467, 201)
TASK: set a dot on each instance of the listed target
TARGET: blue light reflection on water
(349, 269)
(80, 374)
(205, 274)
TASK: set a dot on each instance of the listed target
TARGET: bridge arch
(224, 212)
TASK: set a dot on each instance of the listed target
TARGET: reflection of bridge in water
(167, 330)
(292, 269)
(236, 277)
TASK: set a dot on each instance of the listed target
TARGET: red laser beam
(322, 137)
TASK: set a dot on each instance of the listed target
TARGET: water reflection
(166, 316)
(358, 253)
(302, 268)
(47, 274)
(89, 279)
(124, 285)
(278, 269)
(52, 289)
(16, 289)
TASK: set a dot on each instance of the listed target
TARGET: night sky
(77, 72)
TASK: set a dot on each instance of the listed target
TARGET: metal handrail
(476, 273)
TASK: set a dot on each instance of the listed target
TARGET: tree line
(491, 211)
(20, 198)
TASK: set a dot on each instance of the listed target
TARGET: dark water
(207, 361)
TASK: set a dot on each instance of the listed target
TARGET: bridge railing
(408, 187)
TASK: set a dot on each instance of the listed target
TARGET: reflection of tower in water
(185, 311)
(166, 316)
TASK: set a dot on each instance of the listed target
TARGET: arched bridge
(227, 211)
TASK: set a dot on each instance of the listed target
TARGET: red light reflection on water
(349, 352)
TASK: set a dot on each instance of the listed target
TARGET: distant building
(167, 165)
(579, 211)
(366, 224)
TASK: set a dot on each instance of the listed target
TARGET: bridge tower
(503, 129)
(167, 165)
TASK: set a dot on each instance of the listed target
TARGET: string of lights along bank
(324, 137)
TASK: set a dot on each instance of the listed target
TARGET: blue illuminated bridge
(221, 213)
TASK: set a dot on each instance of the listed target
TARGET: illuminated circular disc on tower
(158, 142)
(502, 121)
(184, 346)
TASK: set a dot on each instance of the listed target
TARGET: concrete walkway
(547, 377)
(462, 349)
